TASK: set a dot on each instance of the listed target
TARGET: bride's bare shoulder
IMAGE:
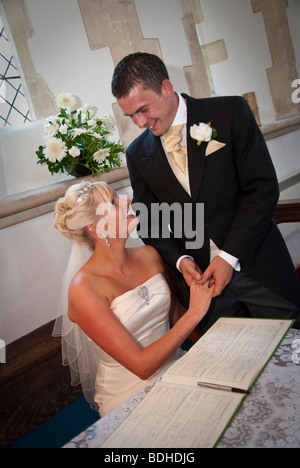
(149, 254)
(85, 291)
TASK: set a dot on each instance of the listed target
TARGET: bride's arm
(94, 316)
(176, 312)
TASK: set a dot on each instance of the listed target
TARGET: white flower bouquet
(76, 141)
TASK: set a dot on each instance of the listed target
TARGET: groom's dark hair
(141, 68)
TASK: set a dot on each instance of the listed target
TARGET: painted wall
(61, 55)
(248, 59)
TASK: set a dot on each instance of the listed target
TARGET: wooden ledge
(18, 208)
(280, 128)
(287, 211)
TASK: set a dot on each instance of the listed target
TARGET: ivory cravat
(172, 145)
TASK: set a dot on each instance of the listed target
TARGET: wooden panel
(287, 211)
(34, 385)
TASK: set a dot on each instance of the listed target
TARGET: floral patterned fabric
(269, 417)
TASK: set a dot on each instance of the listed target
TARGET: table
(269, 417)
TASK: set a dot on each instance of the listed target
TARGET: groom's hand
(190, 271)
(219, 273)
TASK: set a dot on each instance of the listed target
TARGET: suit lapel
(196, 158)
(196, 154)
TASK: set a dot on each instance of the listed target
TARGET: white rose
(63, 129)
(74, 151)
(201, 132)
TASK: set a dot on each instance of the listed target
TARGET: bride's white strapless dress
(144, 311)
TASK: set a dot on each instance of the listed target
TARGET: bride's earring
(106, 238)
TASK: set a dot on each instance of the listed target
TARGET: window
(13, 104)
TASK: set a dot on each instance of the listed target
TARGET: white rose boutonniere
(203, 132)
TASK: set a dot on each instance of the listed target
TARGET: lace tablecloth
(269, 417)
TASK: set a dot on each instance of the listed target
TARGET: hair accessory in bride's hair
(84, 193)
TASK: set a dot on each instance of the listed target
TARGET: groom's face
(149, 110)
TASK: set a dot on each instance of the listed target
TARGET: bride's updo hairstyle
(77, 210)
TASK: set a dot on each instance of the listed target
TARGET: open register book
(199, 395)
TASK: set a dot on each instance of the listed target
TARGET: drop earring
(106, 238)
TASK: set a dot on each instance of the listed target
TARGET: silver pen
(222, 387)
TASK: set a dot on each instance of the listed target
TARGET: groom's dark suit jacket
(237, 184)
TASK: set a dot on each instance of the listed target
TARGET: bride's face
(116, 221)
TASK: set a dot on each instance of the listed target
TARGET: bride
(116, 330)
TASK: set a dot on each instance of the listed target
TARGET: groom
(244, 254)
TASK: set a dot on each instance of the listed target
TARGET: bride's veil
(77, 350)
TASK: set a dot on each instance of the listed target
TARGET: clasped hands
(218, 274)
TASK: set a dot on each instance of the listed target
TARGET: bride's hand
(200, 298)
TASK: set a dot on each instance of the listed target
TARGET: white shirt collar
(181, 116)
